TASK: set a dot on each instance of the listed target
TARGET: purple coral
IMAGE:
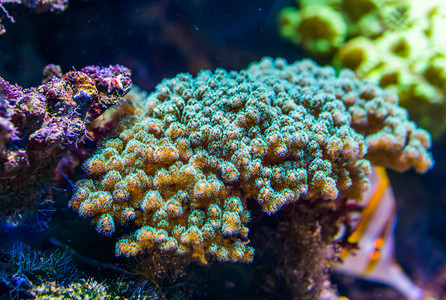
(38, 125)
(114, 79)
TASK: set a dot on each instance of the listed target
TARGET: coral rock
(39, 125)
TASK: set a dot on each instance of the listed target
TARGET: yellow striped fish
(374, 259)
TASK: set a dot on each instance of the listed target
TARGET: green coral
(320, 30)
(400, 44)
(321, 27)
(181, 172)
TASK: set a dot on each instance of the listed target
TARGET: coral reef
(39, 125)
(396, 43)
(37, 6)
(180, 174)
(294, 247)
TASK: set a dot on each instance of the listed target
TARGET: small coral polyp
(281, 134)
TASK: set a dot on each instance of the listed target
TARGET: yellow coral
(400, 44)
(319, 29)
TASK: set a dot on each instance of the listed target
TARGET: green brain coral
(180, 174)
(400, 44)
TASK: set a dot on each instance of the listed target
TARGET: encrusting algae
(198, 147)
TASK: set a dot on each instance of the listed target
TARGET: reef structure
(180, 174)
(399, 44)
(39, 125)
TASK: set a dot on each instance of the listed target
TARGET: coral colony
(279, 133)
(399, 44)
(38, 125)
